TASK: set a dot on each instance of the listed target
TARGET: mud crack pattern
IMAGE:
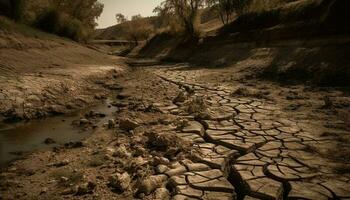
(247, 149)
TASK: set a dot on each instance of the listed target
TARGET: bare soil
(54, 76)
(187, 132)
(181, 131)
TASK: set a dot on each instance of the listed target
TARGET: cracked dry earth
(207, 144)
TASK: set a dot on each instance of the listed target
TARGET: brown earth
(185, 132)
(40, 77)
(214, 127)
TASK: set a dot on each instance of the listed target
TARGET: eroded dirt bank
(198, 133)
(41, 77)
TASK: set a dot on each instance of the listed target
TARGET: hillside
(120, 31)
(298, 50)
(43, 74)
(209, 21)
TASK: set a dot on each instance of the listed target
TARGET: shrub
(73, 29)
(264, 17)
(49, 21)
(53, 21)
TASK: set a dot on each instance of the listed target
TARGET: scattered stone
(127, 124)
(85, 188)
(122, 152)
(120, 182)
(161, 169)
(177, 171)
(61, 163)
(181, 97)
(84, 121)
(73, 145)
(43, 190)
(194, 127)
(94, 114)
(49, 141)
(68, 191)
(148, 185)
(120, 104)
(111, 123)
(162, 194)
(123, 95)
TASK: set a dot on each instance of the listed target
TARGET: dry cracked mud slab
(263, 154)
(240, 148)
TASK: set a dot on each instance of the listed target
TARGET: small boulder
(61, 163)
(120, 182)
(180, 98)
(111, 123)
(128, 124)
(85, 188)
(122, 152)
(148, 185)
(161, 193)
(161, 169)
(123, 95)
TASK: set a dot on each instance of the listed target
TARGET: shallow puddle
(19, 139)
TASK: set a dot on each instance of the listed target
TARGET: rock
(160, 160)
(139, 161)
(61, 163)
(148, 185)
(123, 95)
(194, 127)
(111, 123)
(119, 104)
(68, 191)
(94, 114)
(84, 121)
(161, 193)
(43, 190)
(161, 169)
(85, 188)
(33, 98)
(49, 141)
(139, 151)
(120, 182)
(177, 171)
(180, 98)
(64, 179)
(122, 152)
(57, 109)
(73, 145)
(127, 124)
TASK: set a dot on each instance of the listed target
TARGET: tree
(86, 11)
(226, 8)
(136, 17)
(185, 11)
(120, 18)
(17, 9)
(139, 29)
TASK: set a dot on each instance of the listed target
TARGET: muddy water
(17, 140)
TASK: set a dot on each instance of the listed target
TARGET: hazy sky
(126, 7)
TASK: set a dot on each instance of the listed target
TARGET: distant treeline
(74, 19)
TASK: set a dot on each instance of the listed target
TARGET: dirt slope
(41, 76)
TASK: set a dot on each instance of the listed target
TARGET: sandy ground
(185, 132)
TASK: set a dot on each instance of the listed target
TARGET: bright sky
(127, 8)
